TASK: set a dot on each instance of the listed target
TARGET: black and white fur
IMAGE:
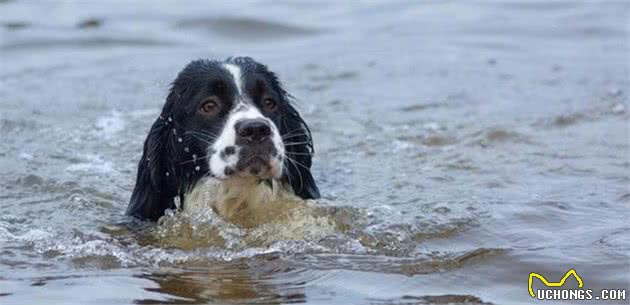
(245, 151)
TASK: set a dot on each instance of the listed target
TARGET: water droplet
(186, 149)
(174, 131)
(177, 202)
(179, 140)
(615, 92)
(432, 126)
(618, 108)
(168, 174)
(194, 157)
(170, 119)
(197, 168)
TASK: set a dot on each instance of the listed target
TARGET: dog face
(229, 107)
(226, 120)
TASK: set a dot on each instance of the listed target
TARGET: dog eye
(269, 105)
(209, 107)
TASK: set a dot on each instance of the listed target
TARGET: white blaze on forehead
(236, 75)
(242, 109)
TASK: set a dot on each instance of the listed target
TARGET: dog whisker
(296, 143)
(300, 154)
(288, 173)
(294, 130)
(298, 163)
(293, 162)
(204, 133)
(193, 160)
(293, 136)
(207, 141)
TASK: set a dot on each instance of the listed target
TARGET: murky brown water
(459, 147)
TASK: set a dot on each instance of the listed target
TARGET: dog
(228, 138)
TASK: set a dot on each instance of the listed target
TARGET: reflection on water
(249, 281)
(276, 278)
(455, 156)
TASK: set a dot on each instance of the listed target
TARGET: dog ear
(156, 182)
(298, 144)
(299, 150)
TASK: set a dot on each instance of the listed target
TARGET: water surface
(459, 147)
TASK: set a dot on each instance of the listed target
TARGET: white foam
(92, 163)
(111, 124)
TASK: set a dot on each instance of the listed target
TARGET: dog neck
(245, 201)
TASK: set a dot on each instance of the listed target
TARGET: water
(459, 147)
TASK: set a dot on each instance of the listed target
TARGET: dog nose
(253, 130)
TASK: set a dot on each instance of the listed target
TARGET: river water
(460, 146)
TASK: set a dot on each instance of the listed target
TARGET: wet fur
(245, 201)
(174, 156)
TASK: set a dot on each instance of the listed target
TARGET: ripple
(420, 107)
(246, 28)
(565, 120)
(451, 299)
(17, 25)
(431, 140)
(497, 135)
(17, 126)
(423, 264)
(178, 239)
(81, 42)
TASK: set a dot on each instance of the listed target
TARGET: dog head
(227, 120)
